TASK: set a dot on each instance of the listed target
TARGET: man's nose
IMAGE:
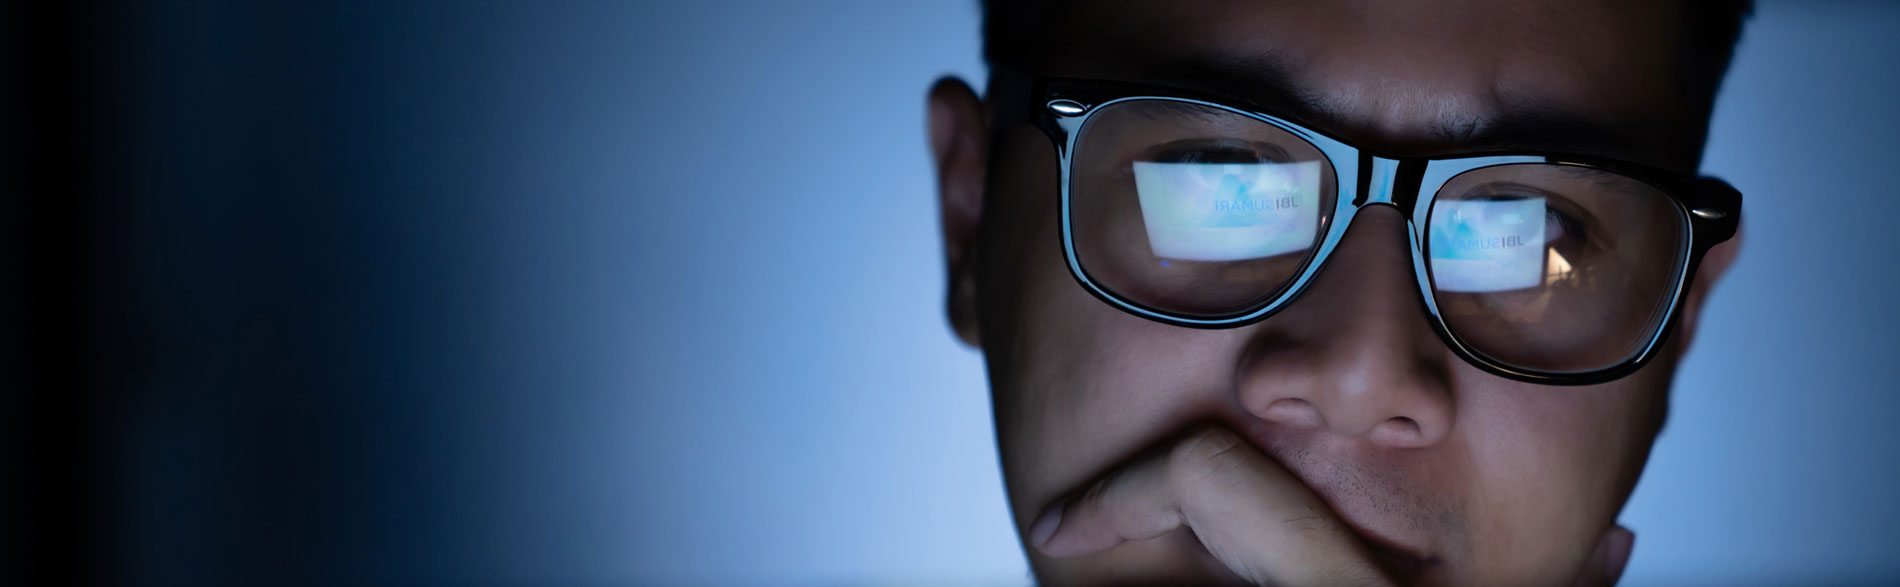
(1354, 355)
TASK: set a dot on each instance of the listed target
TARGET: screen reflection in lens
(1193, 209)
(1557, 268)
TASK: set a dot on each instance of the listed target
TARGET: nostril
(1398, 431)
(1292, 411)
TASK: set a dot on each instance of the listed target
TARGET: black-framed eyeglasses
(1194, 211)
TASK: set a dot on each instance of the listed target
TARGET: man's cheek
(1548, 461)
(1128, 384)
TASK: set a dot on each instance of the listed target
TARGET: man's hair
(1710, 30)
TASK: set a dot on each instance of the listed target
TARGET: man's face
(1472, 478)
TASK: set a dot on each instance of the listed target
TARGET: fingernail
(1622, 542)
(1046, 524)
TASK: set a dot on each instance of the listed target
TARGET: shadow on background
(640, 293)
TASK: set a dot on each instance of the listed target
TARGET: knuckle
(1207, 451)
(1310, 522)
(1096, 493)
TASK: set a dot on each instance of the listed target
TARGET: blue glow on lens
(1228, 211)
(1487, 245)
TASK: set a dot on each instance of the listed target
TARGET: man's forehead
(1406, 77)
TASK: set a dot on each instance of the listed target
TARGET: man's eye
(1210, 156)
(1219, 151)
(1560, 227)
(1564, 226)
(1567, 233)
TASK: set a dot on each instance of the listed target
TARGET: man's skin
(1339, 441)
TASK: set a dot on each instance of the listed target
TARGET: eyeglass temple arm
(1717, 211)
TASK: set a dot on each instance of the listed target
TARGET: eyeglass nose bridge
(1377, 181)
(1364, 180)
(1370, 180)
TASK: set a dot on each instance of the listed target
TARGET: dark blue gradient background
(647, 293)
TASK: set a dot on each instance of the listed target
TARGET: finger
(1255, 517)
(1131, 503)
(1607, 562)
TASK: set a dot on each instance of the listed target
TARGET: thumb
(1606, 563)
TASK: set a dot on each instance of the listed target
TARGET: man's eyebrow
(1520, 125)
(1260, 80)
(1525, 127)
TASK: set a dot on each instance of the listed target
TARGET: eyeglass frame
(1709, 208)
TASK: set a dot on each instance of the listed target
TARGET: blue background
(632, 293)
